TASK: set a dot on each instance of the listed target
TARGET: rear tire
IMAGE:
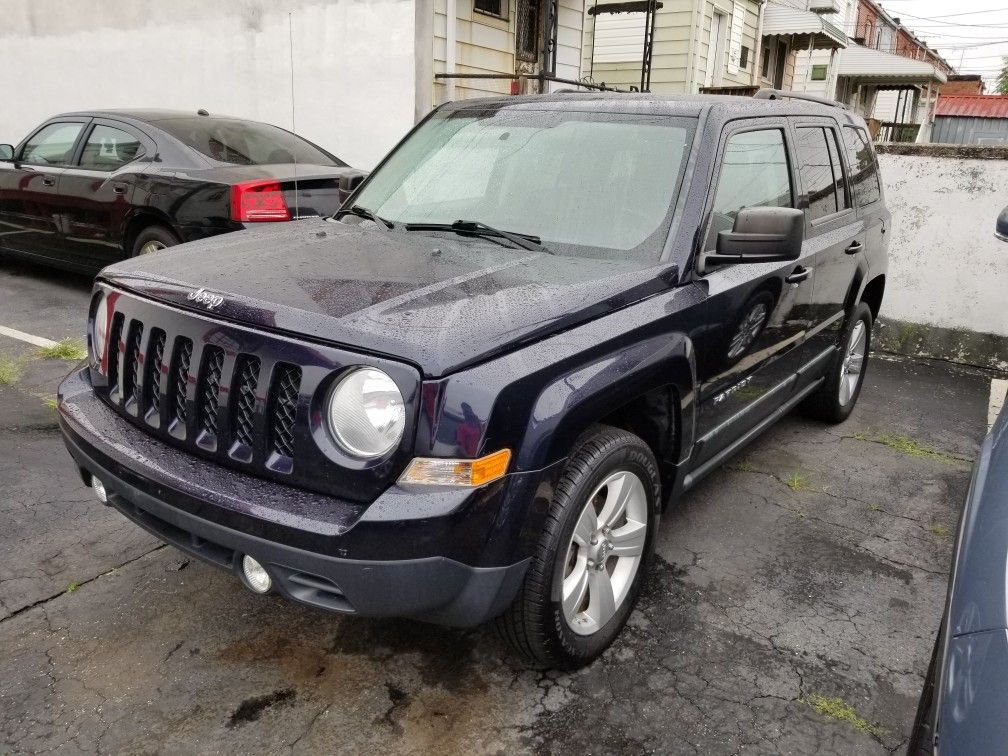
(587, 571)
(834, 400)
(153, 239)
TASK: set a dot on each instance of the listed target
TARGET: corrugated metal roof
(778, 20)
(973, 106)
(876, 66)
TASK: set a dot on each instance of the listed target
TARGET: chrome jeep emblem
(203, 297)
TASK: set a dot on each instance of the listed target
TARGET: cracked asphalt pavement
(813, 564)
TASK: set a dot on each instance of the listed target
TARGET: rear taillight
(258, 201)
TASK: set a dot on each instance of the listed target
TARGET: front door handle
(48, 181)
(119, 188)
(798, 275)
(854, 248)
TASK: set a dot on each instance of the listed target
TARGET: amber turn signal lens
(457, 472)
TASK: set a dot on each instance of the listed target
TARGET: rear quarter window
(863, 166)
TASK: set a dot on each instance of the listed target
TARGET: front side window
(586, 184)
(816, 170)
(52, 144)
(107, 149)
(863, 167)
(245, 142)
(754, 173)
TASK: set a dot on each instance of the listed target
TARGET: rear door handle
(798, 275)
(854, 248)
(48, 181)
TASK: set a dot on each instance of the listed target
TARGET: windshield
(587, 184)
(245, 142)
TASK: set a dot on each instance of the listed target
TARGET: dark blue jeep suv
(470, 394)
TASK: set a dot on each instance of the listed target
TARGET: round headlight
(366, 413)
(99, 330)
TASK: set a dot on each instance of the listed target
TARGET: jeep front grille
(223, 413)
(242, 397)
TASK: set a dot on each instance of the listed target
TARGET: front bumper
(401, 556)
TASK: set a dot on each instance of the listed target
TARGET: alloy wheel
(853, 362)
(605, 552)
(152, 246)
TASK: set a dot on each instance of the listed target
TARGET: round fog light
(256, 576)
(99, 490)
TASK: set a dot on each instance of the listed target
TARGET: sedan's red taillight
(257, 201)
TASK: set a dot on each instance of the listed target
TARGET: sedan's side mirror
(760, 234)
(6, 152)
(1001, 227)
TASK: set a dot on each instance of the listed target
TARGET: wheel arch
(646, 389)
(872, 295)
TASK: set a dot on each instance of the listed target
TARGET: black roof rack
(781, 94)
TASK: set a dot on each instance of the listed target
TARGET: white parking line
(998, 393)
(22, 336)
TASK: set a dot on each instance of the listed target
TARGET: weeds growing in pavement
(797, 482)
(67, 349)
(841, 711)
(10, 371)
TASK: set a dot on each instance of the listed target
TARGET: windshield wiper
(363, 212)
(478, 228)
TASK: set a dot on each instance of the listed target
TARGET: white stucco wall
(946, 268)
(353, 63)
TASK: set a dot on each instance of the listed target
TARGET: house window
(527, 30)
(819, 73)
(493, 7)
(765, 63)
(743, 59)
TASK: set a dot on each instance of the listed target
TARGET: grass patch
(841, 711)
(51, 403)
(72, 587)
(908, 446)
(797, 482)
(67, 349)
(874, 508)
(744, 466)
(939, 530)
(10, 371)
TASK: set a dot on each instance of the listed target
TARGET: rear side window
(863, 167)
(754, 172)
(821, 176)
(245, 142)
(52, 144)
(107, 149)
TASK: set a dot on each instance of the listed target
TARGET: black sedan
(86, 189)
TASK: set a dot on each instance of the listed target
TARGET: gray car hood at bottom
(439, 301)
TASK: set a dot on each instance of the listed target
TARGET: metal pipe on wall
(451, 36)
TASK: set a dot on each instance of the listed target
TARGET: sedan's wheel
(586, 573)
(152, 246)
(152, 239)
(605, 552)
(834, 400)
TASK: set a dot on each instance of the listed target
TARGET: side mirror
(760, 234)
(1001, 227)
(6, 152)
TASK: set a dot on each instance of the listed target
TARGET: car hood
(438, 301)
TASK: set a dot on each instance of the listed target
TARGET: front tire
(589, 565)
(834, 400)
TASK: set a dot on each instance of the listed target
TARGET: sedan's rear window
(245, 142)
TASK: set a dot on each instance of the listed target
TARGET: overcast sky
(961, 31)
